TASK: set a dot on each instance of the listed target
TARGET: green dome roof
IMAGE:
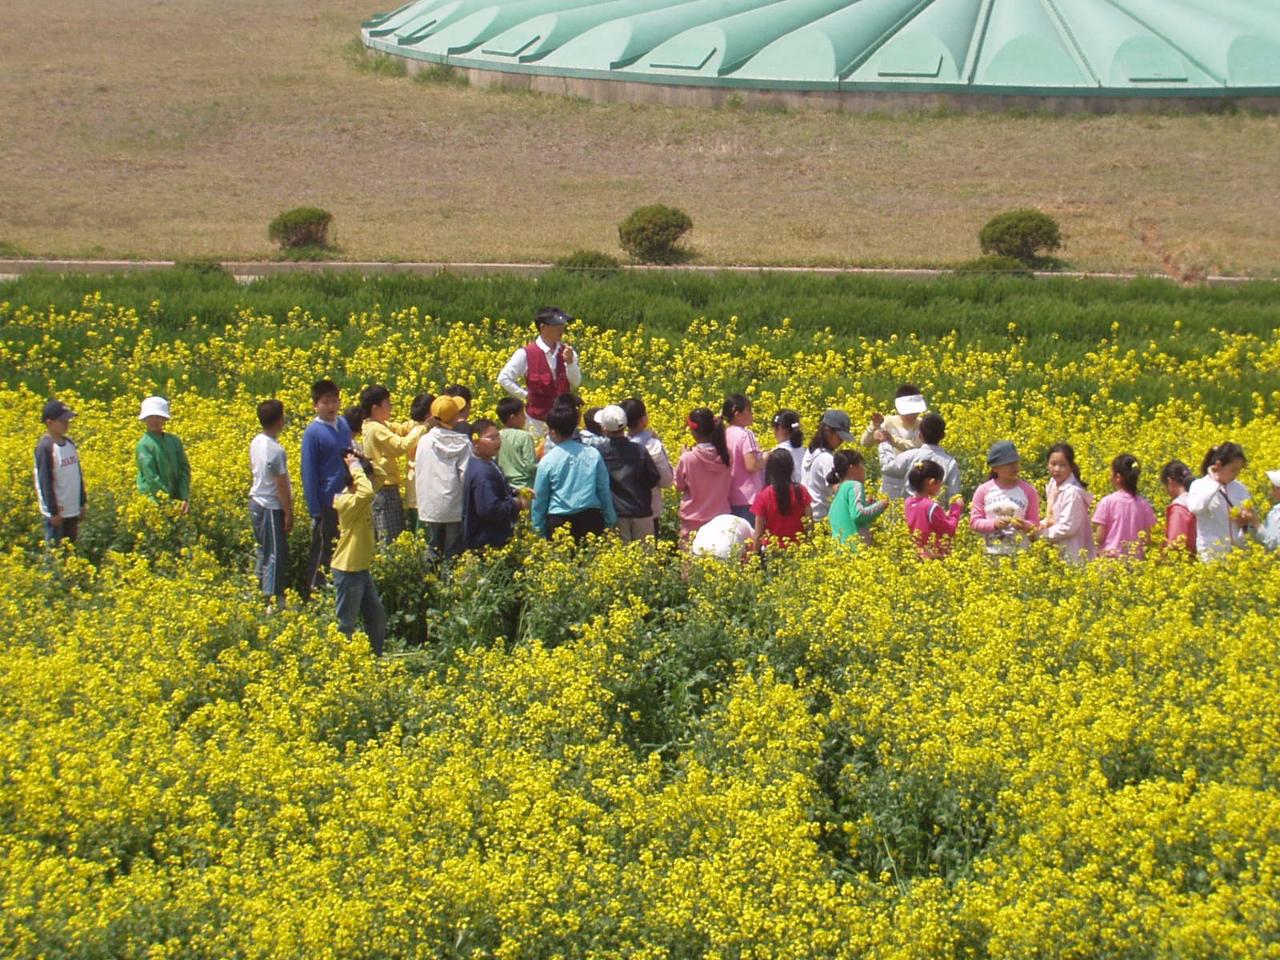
(1076, 48)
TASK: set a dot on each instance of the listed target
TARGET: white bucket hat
(155, 407)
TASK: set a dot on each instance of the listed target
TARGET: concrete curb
(246, 271)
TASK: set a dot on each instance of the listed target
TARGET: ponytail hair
(841, 462)
(777, 473)
(820, 439)
(921, 472)
(1126, 468)
(1221, 455)
(734, 404)
(1178, 472)
(789, 419)
(708, 428)
(1069, 452)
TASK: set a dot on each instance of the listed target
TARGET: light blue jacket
(571, 478)
(1269, 533)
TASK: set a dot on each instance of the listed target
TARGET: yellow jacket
(355, 525)
(385, 443)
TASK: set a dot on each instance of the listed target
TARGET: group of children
(367, 478)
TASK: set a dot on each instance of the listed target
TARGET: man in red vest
(548, 366)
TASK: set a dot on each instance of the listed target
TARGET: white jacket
(1067, 525)
(438, 469)
(895, 467)
(1212, 503)
(817, 464)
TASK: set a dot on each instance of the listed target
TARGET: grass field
(139, 128)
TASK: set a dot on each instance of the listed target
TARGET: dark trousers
(444, 540)
(580, 524)
(272, 565)
(68, 530)
(324, 531)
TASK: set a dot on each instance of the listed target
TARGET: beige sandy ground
(180, 127)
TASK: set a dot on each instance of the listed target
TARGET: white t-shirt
(1012, 502)
(797, 460)
(267, 460)
(722, 537)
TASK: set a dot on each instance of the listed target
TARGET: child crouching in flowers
(1006, 509)
(703, 474)
(934, 527)
(781, 509)
(851, 515)
(1069, 503)
(1123, 519)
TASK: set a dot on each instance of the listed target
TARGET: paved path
(247, 271)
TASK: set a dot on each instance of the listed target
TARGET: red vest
(543, 386)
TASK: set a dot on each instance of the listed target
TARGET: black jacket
(632, 477)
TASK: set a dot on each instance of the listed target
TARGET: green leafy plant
(1021, 234)
(652, 233)
(591, 263)
(301, 227)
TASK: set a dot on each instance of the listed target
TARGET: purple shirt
(743, 486)
(1124, 517)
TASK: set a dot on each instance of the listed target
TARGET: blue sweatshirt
(324, 474)
(571, 478)
(489, 511)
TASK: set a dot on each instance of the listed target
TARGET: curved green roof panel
(1051, 48)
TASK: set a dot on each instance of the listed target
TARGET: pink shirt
(743, 485)
(703, 481)
(1124, 517)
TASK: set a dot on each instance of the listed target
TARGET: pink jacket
(933, 524)
(1067, 526)
(703, 481)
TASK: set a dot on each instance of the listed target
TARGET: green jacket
(162, 465)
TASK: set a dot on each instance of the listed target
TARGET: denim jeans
(358, 598)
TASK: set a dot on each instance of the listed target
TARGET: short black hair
(589, 420)
(509, 407)
(457, 390)
(635, 410)
(323, 388)
(355, 418)
(932, 428)
(562, 420)
(907, 390)
(477, 427)
(372, 396)
(270, 412)
(420, 409)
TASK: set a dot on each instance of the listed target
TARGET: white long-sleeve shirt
(895, 466)
(1212, 503)
(1067, 525)
(517, 369)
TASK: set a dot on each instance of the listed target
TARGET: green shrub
(301, 227)
(204, 267)
(650, 233)
(993, 263)
(1021, 234)
(591, 263)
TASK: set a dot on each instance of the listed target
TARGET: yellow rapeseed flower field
(616, 753)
